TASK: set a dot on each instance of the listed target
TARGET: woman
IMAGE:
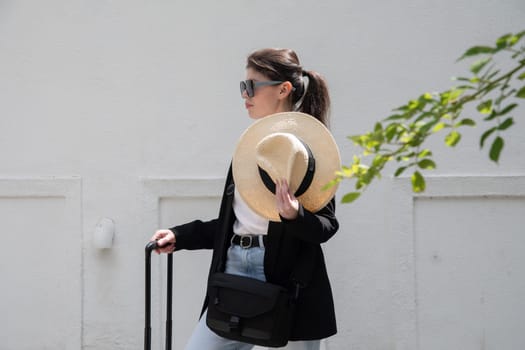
(275, 82)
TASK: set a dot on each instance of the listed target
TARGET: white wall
(130, 110)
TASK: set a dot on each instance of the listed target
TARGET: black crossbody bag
(256, 312)
(249, 310)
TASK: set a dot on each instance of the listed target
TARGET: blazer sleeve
(195, 235)
(316, 227)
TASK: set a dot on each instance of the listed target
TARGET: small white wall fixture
(104, 233)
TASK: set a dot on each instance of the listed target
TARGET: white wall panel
(459, 272)
(172, 202)
(40, 264)
(470, 272)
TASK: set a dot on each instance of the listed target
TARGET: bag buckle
(246, 242)
(234, 323)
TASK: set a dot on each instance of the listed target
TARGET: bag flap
(243, 296)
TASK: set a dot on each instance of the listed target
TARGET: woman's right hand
(165, 241)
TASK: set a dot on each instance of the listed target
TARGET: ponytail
(315, 100)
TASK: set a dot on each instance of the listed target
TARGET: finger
(285, 194)
(280, 195)
(155, 238)
(165, 248)
(164, 242)
(168, 249)
(286, 189)
(158, 235)
(284, 185)
(282, 203)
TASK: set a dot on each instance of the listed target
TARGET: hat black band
(307, 179)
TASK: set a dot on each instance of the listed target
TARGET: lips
(248, 105)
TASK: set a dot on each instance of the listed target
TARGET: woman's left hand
(287, 204)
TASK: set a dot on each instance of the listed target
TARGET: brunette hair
(283, 64)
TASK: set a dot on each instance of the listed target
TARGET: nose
(244, 94)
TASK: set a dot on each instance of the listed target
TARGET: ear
(285, 90)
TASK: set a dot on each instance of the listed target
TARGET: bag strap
(226, 213)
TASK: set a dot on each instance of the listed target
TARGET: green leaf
(424, 153)
(521, 76)
(461, 79)
(345, 172)
(438, 127)
(378, 127)
(391, 131)
(359, 140)
(466, 87)
(399, 171)
(466, 122)
(485, 107)
(507, 109)
(403, 109)
(492, 115)
(515, 38)
(395, 117)
(405, 157)
(476, 50)
(427, 96)
(414, 105)
(423, 116)
(418, 182)
(350, 197)
(474, 80)
(477, 66)
(521, 92)
(452, 138)
(455, 93)
(495, 149)
(444, 97)
(331, 184)
(426, 164)
(506, 124)
(427, 126)
(508, 40)
(416, 140)
(485, 135)
(502, 41)
(379, 161)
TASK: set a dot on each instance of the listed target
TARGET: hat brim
(309, 130)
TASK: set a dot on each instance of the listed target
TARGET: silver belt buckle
(243, 243)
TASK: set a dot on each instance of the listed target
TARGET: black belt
(248, 241)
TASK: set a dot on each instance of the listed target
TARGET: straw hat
(293, 146)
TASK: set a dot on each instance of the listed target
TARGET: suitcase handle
(147, 327)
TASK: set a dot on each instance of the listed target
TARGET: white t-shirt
(248, 221)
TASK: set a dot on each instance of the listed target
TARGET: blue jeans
(248, 263)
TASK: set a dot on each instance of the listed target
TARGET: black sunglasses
(249, 85)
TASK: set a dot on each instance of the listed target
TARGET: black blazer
(315, 315)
